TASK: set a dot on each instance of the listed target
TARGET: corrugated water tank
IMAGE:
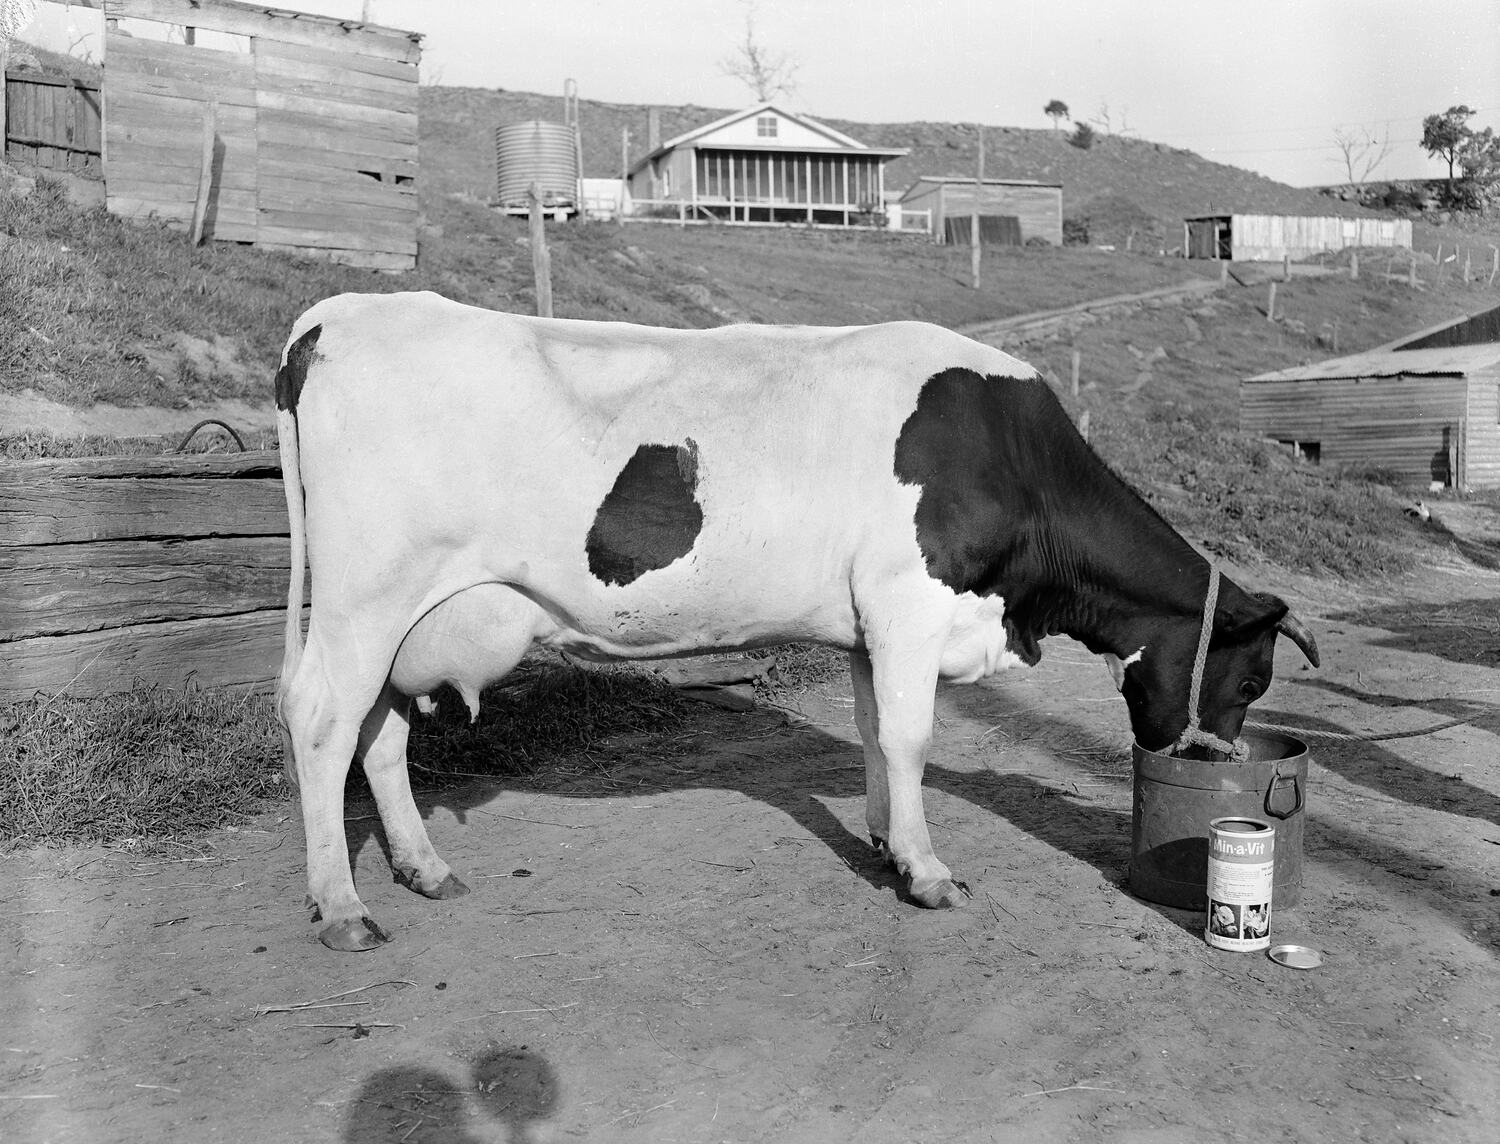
(536, 152)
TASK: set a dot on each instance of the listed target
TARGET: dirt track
(707, 950)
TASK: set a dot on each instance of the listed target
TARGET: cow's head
(1156, 683)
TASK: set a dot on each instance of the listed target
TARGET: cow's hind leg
(322, 711)
(414, 861)
(866, 718)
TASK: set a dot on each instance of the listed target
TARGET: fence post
(1077, 363)
(1223, 271)
(1083, 424)
(1271, 304)
(1354, 266)
(1494, 266)
(205, 170)
(541, 263)
(4, 52)
(1286, 267)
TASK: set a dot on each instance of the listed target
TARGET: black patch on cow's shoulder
(650, 517)
(290, 378)
(1002, 470)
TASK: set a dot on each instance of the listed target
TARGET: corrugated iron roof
(1447, 361)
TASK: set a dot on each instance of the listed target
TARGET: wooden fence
(119, 571)
(52, 122)
(304, 138)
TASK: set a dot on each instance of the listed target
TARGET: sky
(1262, 85)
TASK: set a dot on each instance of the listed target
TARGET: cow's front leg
(904, 657)
(414, 861)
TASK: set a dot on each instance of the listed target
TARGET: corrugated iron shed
(1448, 361)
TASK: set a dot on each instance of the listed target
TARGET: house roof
(968, 181)
(1448, 361)
(837, 141)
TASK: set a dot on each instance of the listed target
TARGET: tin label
(1241, 875)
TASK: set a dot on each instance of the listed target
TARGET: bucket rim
(1294, 747)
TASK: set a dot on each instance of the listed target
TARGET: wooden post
(205, 170)
(1494, 266)
(1223, 271)
(1468, 254)
(1286, 267)
(1083, 424)
(1077, 364)
(975, 246)
(1271, 304)
(541, 263)
(1354, 266)
(1335, 334)
(624, 175)
(4, 52)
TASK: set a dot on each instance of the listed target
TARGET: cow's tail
(289, 381)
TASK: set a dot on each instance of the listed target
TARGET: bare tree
(1362, 151)
(765, 72)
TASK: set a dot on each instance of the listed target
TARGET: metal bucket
(1176, 799)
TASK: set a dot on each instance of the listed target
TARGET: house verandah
(766, 166)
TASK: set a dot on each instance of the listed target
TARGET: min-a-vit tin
(1241, 874)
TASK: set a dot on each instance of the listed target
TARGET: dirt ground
(706, 949)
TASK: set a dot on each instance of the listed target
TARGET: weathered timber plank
(241, 651)
(320, 136)
(368, 68)
(298, 78)
(345, 240)
(274, 23)
(57, 589)
(334, 212)
(396, 132)
(277, 173)
(376, 121)
(315, 161)
(262, 463)
(71, 511)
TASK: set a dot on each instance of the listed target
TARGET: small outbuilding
(1428, 414)
(1270, 238)
(1011, 211)
(763, 165)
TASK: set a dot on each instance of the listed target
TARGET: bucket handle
(1271, 791)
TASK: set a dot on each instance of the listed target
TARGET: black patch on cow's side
(293, 372)
(650, 517)
(1015, 502)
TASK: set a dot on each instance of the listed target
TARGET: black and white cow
(465, 484)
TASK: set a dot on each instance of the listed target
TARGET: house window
(765, 126)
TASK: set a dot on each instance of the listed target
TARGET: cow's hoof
(353, 935)
(449, 887)
(943, 894)
(883, 850)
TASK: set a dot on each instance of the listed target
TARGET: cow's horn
(1301, 635)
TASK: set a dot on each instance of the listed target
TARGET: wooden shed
(267, 126)
(1011, 211)
(1270, 238)
(1426, 414)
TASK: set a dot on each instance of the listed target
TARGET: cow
(464, 484)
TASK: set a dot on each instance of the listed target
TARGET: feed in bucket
(1241, 875)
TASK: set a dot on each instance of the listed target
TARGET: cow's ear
(1247, 615)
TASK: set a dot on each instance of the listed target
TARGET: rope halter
(1193, 735)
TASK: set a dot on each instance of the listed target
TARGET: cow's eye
(1250, 690)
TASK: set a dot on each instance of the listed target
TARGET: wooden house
(1270, 238)
(267, 126)
(763, 165)
(1429, 414)
(1011, 211)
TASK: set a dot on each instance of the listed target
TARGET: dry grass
(155, 763)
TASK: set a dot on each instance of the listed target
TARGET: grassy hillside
(1119, 185)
